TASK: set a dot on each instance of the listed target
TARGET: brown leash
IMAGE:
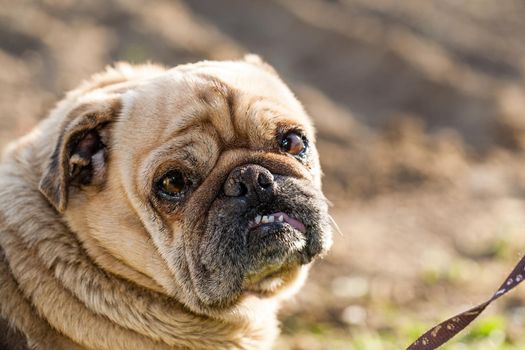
(444, 331)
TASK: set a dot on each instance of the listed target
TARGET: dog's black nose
(252, 181)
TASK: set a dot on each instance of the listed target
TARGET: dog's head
(201, 182)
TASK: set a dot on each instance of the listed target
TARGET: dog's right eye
(172, 185)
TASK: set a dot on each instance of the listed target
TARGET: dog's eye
(294, 144)
(172, 184)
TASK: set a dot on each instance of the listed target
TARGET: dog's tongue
(293, 222)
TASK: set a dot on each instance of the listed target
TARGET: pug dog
(160, 209)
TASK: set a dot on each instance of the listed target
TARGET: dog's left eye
(172, 184)
(294, 143)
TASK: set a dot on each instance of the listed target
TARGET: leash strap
(444, 331)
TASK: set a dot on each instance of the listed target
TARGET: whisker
(335, 225)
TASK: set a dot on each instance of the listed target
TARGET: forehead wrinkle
(204, 139)
(186, 151)
(184, 128)
(219, 98)
(186, 118)
(201, 138)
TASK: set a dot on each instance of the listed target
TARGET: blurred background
(420, 112)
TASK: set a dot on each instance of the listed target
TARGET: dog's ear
(259, 62)
(80, 154)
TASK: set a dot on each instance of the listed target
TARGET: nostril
(243, 190)
(265, 180)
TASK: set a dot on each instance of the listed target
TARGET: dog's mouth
(276, 246)
(257, 247)
(273, 237)
(278, 218)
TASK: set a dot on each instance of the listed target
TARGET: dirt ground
(420, 112)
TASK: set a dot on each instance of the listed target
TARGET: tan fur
(92, 266)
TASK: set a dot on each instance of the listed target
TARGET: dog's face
(202, 182)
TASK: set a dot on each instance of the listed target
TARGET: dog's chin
(276, 253)
(270, 259)
(275, 246)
